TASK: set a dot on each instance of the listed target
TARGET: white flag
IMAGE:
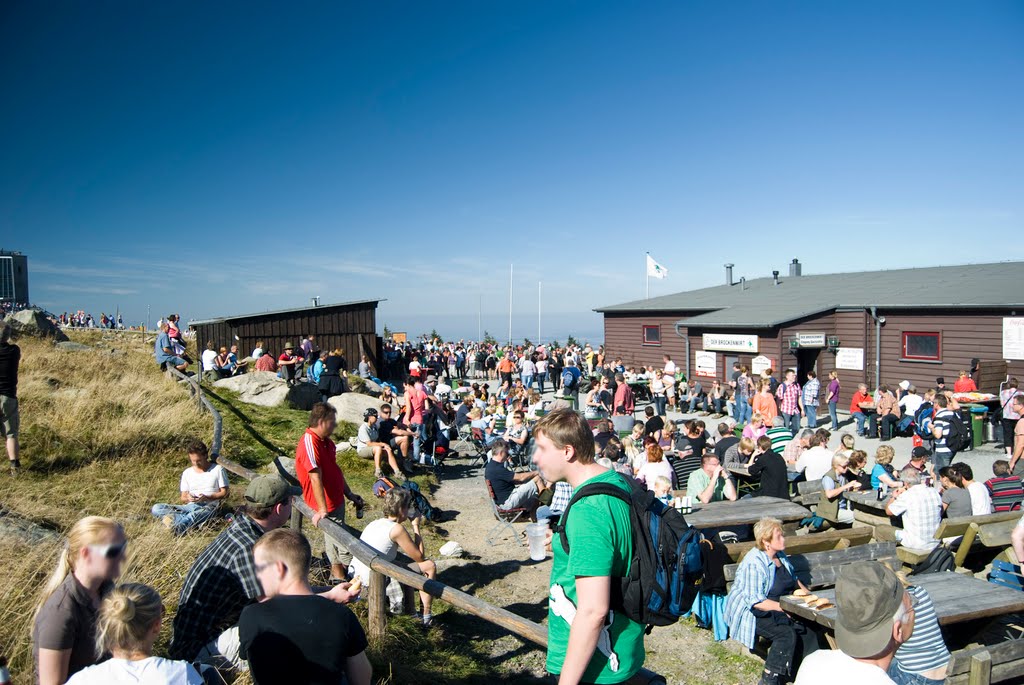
(654, 269)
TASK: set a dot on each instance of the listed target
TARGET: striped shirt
(781, 437)
(941, 421)
(925, 650)
(1007, 493)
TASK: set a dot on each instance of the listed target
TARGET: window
(922, 346)
(652, 335)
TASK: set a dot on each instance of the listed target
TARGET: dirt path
(504, 575)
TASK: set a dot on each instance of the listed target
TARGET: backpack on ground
(959, 437)
(666, 570)
(384, 485)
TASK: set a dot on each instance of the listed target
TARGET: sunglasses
(111, 551)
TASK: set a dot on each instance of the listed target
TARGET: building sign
(760, 364)
(399, 336)
(810, 339)
(707, 364)
(729, 342)
(850, 358)
(1013, 338)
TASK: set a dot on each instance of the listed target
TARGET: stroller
(439, 424)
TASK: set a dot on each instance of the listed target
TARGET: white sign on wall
(730, 342)
(707, 364)
(850, 358)
(759, 364)
(810, 339)
(1013, 338)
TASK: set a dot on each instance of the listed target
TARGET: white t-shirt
(209, 360)
(981, 500)
(815, 462)
(836, 668)
(367, 434)
(150, 671)
(670, 367)
(206, 483)
(911, 402)
(377, 534)
(257, 352)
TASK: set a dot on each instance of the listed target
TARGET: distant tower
(13, 277)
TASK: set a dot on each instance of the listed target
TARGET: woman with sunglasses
(64, 633)
(127, 627)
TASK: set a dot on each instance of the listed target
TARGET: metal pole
(479, 307)
(510, 269)
(647, 279)
(147, 318)
(539, 284)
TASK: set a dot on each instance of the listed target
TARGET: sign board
(399, 337)
(850, 358)
(760, 364)
(730, 342)
(810, 339)
(707, 364)
(1013, 338)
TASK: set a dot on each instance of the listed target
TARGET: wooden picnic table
(742, 512)
(868, 499)
(957, 598)
(747, 483)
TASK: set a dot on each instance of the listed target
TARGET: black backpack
(666, 570)
(938, 560)
(959, 437)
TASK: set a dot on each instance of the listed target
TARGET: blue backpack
(568, 379)
(923, 421)
(666, 570)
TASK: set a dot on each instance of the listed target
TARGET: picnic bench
(820, 569)
(742, 512)
(987, 664)
(957, 598)
(834, 539)
(987, 530)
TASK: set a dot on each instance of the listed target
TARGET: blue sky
(220, 158)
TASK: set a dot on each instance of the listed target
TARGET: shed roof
(761, 304)
(256, 315)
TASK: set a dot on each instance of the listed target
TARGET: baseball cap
(266, 491)
(868, 595)
(919, 452)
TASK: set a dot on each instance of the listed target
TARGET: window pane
(923, 345)
(652, 335)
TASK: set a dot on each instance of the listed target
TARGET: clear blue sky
(219, 158)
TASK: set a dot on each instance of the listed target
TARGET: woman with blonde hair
(64, 629)
(756, 428)
(752, 607)
(883, 472)
(128, 626)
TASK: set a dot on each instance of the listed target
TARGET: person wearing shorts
(10, 357)
(369, 444)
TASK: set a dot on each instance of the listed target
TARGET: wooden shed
(351, 326)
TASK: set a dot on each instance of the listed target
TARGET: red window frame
(648, 343)
(930, 334)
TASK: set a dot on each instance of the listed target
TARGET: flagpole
(538, 311)
(510, 268)
(647, 279)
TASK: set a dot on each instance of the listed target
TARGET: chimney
(728, 274)
(795, 268)
(743, 282)
(775, 277)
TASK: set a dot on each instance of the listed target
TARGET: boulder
(371, 388)
(262, 388)
(303, 396)
(73, 346)
(351, 405)
(34, 323)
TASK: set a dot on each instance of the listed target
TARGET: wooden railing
(381, 569)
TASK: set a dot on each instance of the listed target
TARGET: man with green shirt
(588, 641)
(711, 482)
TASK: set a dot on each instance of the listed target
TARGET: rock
(351, 405)
(303, 396)
(371, 388)
(73, 346)
(287, 463)
(34, 323)
(262, 388)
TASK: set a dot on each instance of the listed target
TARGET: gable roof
(318, 308)
(762, 304)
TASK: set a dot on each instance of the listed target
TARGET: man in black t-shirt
(653, 424)
(390, 432)
(726, 439)
(770, 467)
(511, 490)
(10, 357)
(296, 636)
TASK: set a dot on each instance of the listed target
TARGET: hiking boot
(769, 678)
(377, 473)
(15, 467)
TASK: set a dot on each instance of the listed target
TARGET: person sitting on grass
(296, 636)
(391, 432)
(203, 486)
(266, 362)
(128, 626)
(388, 536)
(64, 628)
(369, 444)
(511, 490)
(164, 352)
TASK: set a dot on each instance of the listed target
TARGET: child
(663, 489)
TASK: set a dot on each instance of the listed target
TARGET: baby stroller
(437, 446)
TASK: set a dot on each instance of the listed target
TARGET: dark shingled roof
(318, 308)
(764, 305)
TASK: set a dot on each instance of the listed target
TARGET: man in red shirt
(323, 483)
(290, 364)
(858, 413)
(415, 410)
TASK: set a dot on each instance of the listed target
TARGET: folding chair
(479, 446)
(505, 518)
(519, 455)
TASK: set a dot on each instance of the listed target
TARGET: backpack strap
(587, 491)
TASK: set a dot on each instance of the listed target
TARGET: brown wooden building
(873, 327)
(351, 326)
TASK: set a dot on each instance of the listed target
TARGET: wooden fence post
(296, 522)
(377, 604)
(981, 669)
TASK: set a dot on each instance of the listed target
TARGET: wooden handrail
(380, 567)
(196, 390)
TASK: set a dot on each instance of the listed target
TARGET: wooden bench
(812, 542)
(809, 492)
(820, 569)
(988, 664)
(989, 530)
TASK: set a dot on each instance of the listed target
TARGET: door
(730, 359)
(806, 360)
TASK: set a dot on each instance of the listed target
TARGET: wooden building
(873, 327)
(351, 326)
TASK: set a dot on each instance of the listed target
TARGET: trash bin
(978, 425)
